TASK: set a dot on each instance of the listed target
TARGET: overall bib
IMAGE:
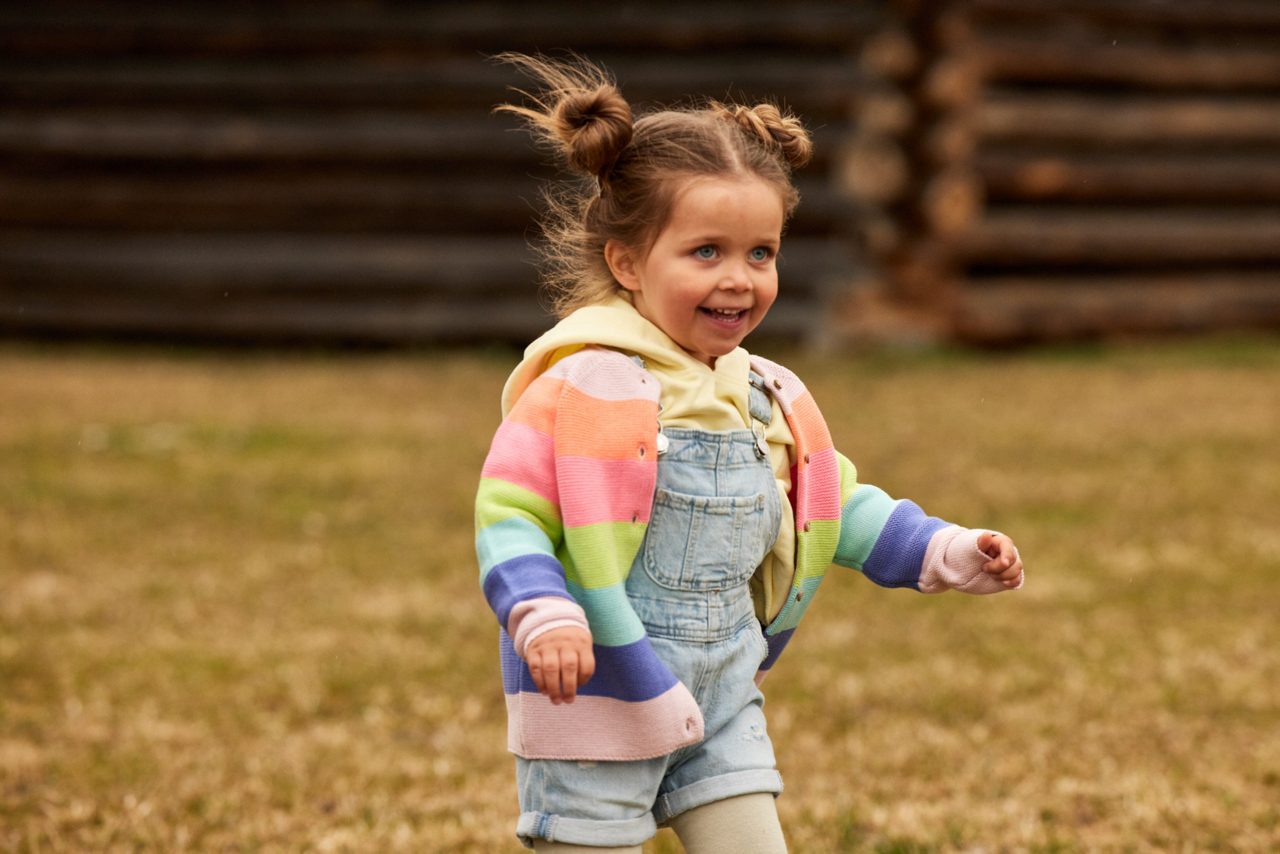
(716, 514)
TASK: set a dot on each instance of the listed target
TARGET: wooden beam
(873, 169)
(315, 200)
(133, 28)
(1107, 120)
(255, 318)
(951, 203)
(1087, 237)
(220, 136)
(1229, 67)
(406, 320)
(245, 264)
(1046, 308)
(813, 84)
(285, 139)
(1197, 15)
(1021, 176)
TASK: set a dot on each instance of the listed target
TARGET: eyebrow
(720, 238)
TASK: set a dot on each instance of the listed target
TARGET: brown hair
(633, 168)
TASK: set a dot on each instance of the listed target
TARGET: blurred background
(330, 171)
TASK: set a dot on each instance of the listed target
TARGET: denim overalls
(715, 516)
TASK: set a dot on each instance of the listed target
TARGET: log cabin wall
(332, 171)
(988, 170)
(1069, 168)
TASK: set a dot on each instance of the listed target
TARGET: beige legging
(747, 824)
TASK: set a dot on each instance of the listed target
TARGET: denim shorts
(715, 516)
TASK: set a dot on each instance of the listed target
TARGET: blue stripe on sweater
(632, 673)
(898, 555)
(776, 644)
(524, 577)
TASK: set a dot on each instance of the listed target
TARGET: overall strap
(760, 405)
(759, 401)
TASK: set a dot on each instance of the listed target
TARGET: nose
(736, 278)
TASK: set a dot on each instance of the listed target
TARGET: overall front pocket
(697, 542)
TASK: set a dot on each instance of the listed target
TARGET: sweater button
(806, 527)
(799, 595)
(806, 458)
(642, 451)
(777, 384)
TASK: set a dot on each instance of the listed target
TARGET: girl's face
(711, 274)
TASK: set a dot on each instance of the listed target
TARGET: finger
(1012, 572)
(984, 542)
(535, 670)
(551, 676)
(586, 666)
(568, 675)
(995, 566)
(1002, 552)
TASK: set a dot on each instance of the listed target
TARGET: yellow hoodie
(693, 395)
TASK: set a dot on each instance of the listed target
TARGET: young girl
(658, 506)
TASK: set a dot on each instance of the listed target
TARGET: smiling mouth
(728, 315)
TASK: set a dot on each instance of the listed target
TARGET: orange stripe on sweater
(606, 429)
(809, 427)
(536, 408)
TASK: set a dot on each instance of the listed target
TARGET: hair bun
(778, 131)
(579, 110)
(594, 127)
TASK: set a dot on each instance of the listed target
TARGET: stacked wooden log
(909, 166)
(332, 171)
(1130, 155)
(1032, 169)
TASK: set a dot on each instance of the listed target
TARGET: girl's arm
(518, 530)
(896, 544)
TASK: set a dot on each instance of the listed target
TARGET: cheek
(766, 295)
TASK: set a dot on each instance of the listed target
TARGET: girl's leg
(541, 846)
(747, 824)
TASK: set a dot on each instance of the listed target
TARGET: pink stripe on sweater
(820, 500)
(523, 456)
(602, 728)
(594, 491)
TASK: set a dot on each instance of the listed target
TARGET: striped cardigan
(563, 505)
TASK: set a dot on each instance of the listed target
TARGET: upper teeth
(728, 312)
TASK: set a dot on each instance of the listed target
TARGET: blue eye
(706, 253)
(761, 253)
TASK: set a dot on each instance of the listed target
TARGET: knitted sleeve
(896, 544)
(519, 525)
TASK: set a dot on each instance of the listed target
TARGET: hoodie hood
(689, 388)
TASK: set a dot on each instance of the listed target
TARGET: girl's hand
(560, 660)
(1005, 563)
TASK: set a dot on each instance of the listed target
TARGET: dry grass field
(239, 608)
